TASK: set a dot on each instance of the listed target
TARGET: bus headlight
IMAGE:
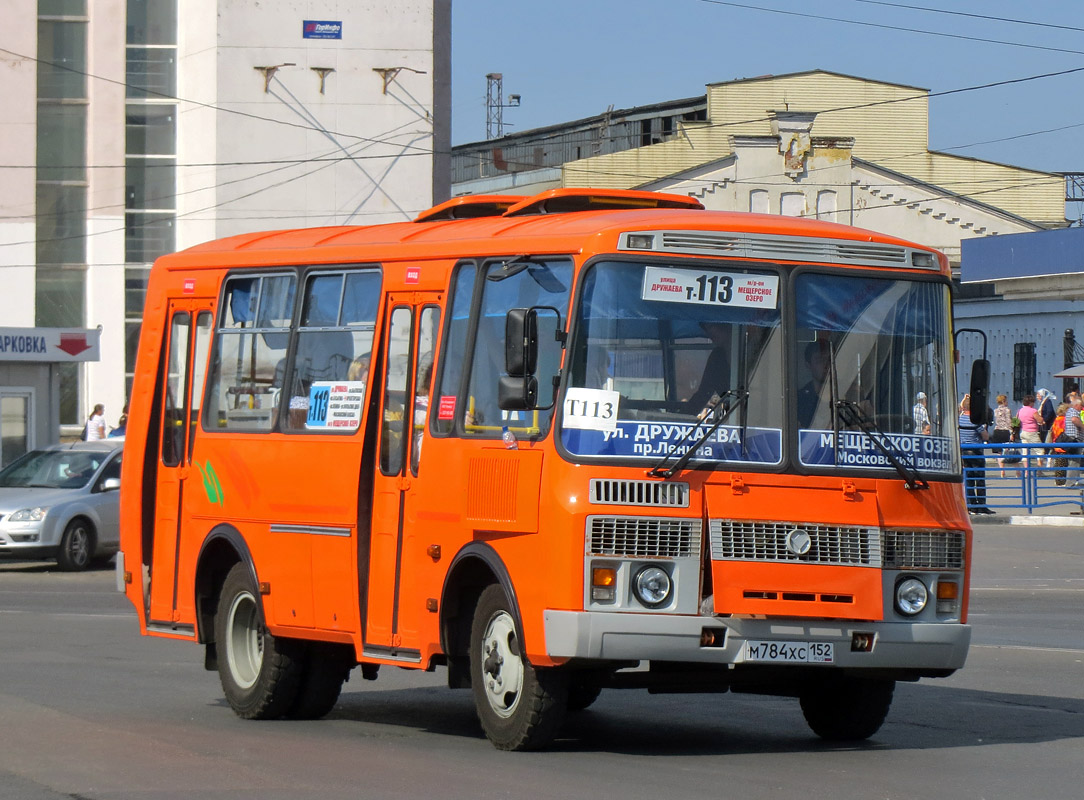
(911, 596)
(652, 586)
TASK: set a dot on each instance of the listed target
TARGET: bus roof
(605, 216)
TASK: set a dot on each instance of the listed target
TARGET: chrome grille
(643, 537)
(639, 493)
(737, 540)
(923, 549)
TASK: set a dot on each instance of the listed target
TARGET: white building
(132, 130)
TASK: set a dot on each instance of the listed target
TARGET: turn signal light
(948, 593)
(603, 576)
(603, 583)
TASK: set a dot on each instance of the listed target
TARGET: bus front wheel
(520, 707)
(847, 708)
(260, 674)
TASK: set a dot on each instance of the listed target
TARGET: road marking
(1025, 647)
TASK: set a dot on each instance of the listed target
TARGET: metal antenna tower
(495, 105)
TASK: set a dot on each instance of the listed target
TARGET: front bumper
(26, 540)
(931, 647)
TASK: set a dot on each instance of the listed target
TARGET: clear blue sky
(570, 60)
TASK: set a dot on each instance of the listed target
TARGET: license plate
(790, 652)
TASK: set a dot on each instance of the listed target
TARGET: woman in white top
(96, 424)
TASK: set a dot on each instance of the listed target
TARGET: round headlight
(911, 596)
(652, 586)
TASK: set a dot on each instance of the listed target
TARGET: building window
(826, 205)
(62, 59)
(758, 202)
(792, 204)
(1023, 370)
(61, 223)
(62, 141)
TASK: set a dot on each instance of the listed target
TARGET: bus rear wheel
(844, 709)
(326, 669)
(260, 674)
(520, 707)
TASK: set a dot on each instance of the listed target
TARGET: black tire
(581, 694)
(845, 709)
(520, 707)
(260, 674)
(76, 546)
(326, 669)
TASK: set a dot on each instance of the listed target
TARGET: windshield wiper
(721, 411)
(852, 414)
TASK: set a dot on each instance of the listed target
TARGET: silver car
(62, 502)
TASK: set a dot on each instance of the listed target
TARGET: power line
(884, 26)
(972, 15)
(197, 103)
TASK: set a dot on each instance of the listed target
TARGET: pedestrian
(1057, 433)
(1074, 427)
(121, 429)
(1002, 429)
(920, 413)
(94, 430)
(974, 461)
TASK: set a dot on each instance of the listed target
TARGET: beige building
(818, 144)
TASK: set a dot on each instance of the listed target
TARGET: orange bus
(583, 440)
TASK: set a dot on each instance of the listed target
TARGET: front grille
(639, 493)
(643, 537)
(736, 540)
(923, 549)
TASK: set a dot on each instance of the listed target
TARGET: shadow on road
(923, 717)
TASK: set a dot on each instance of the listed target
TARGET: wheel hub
(502, 666)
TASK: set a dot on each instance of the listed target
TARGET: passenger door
(186, 348)
(393, 608)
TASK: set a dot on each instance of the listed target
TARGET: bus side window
(253, 334)
(542, 282)
(428, 324)
(334, 340)
(199, 370)
(396, 385)
(453, 360)
(175, 406)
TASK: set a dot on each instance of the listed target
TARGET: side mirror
(517, 394)
(521, 342)
(981, 413)
(525, 359)
(110, 484)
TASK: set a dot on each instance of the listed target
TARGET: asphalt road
(89, 709)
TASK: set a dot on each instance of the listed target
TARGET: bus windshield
(878, 347)
(658, 347)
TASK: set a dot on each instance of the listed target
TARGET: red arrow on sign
(73, 343)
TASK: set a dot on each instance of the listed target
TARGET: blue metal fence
(1031, 477)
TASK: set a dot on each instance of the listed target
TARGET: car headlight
(652, 586)
(911, 596)
(29, 514)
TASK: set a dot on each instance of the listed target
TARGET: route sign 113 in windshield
(709, 287)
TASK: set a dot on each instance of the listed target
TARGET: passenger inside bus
(815, 367)
(716, 377)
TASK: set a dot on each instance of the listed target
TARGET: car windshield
(879, 348)
(660, 349)
(53, 469)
